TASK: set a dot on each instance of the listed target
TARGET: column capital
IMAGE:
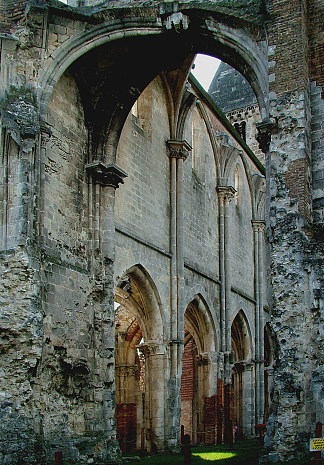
(178, 148)
(106, 175)
(225, 193)
(202, 359)
(151, 348)
(128, 370)
(258, 225)
(265, 129)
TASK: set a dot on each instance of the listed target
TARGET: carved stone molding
(106, 175)
(126, 370)
(151, 348)
(258, 225)
(225, 193)
(178, 148)
(202, 359)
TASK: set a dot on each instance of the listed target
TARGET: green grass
(243, 453)
(213, 456)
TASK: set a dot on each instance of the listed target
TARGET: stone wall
(290, 237)
(21, 335)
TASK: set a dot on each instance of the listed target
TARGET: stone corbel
(202, 359)
(106, 175)
(265, 129)
(178, 149)
(126, 370)
(258, 225)
(238, 367)
(226, 192)
(151, 348)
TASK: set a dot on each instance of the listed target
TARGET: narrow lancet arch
(199, 373)
(242, 375)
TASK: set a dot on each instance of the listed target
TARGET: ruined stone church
(161, 247)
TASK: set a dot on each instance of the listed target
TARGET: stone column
(212, 374)
(125, 373)
(105, 180)
(225, 195)
(258, 231)
(155, 360)
(177, 152)
(248, 389)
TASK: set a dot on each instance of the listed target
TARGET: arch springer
(178, 148)
(225, 192)
(258, 225)
(106, 175)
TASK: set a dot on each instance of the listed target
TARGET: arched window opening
(237, 185)
(198, 395)
(130, 378)
(189, 414)
(194, 146)
(241, 347)
(134, 109)
(241, 129)
(141, 112)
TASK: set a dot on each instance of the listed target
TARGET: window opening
(241, 129)
(237, 185)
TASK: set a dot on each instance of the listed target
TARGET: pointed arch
(141, 362)
(258, 185)
(241, 337)
(143, 298)
(211, 133)
(229, 156)
(199, 321)
(199, 372)
(235, 45)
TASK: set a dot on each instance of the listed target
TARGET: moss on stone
(20, 115)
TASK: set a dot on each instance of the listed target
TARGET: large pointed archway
(140, 363)
(158, 43)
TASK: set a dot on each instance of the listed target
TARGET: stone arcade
(149, 275)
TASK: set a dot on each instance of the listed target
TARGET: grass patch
(213, 456)
(244, 453)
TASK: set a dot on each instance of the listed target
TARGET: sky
(205, 69)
